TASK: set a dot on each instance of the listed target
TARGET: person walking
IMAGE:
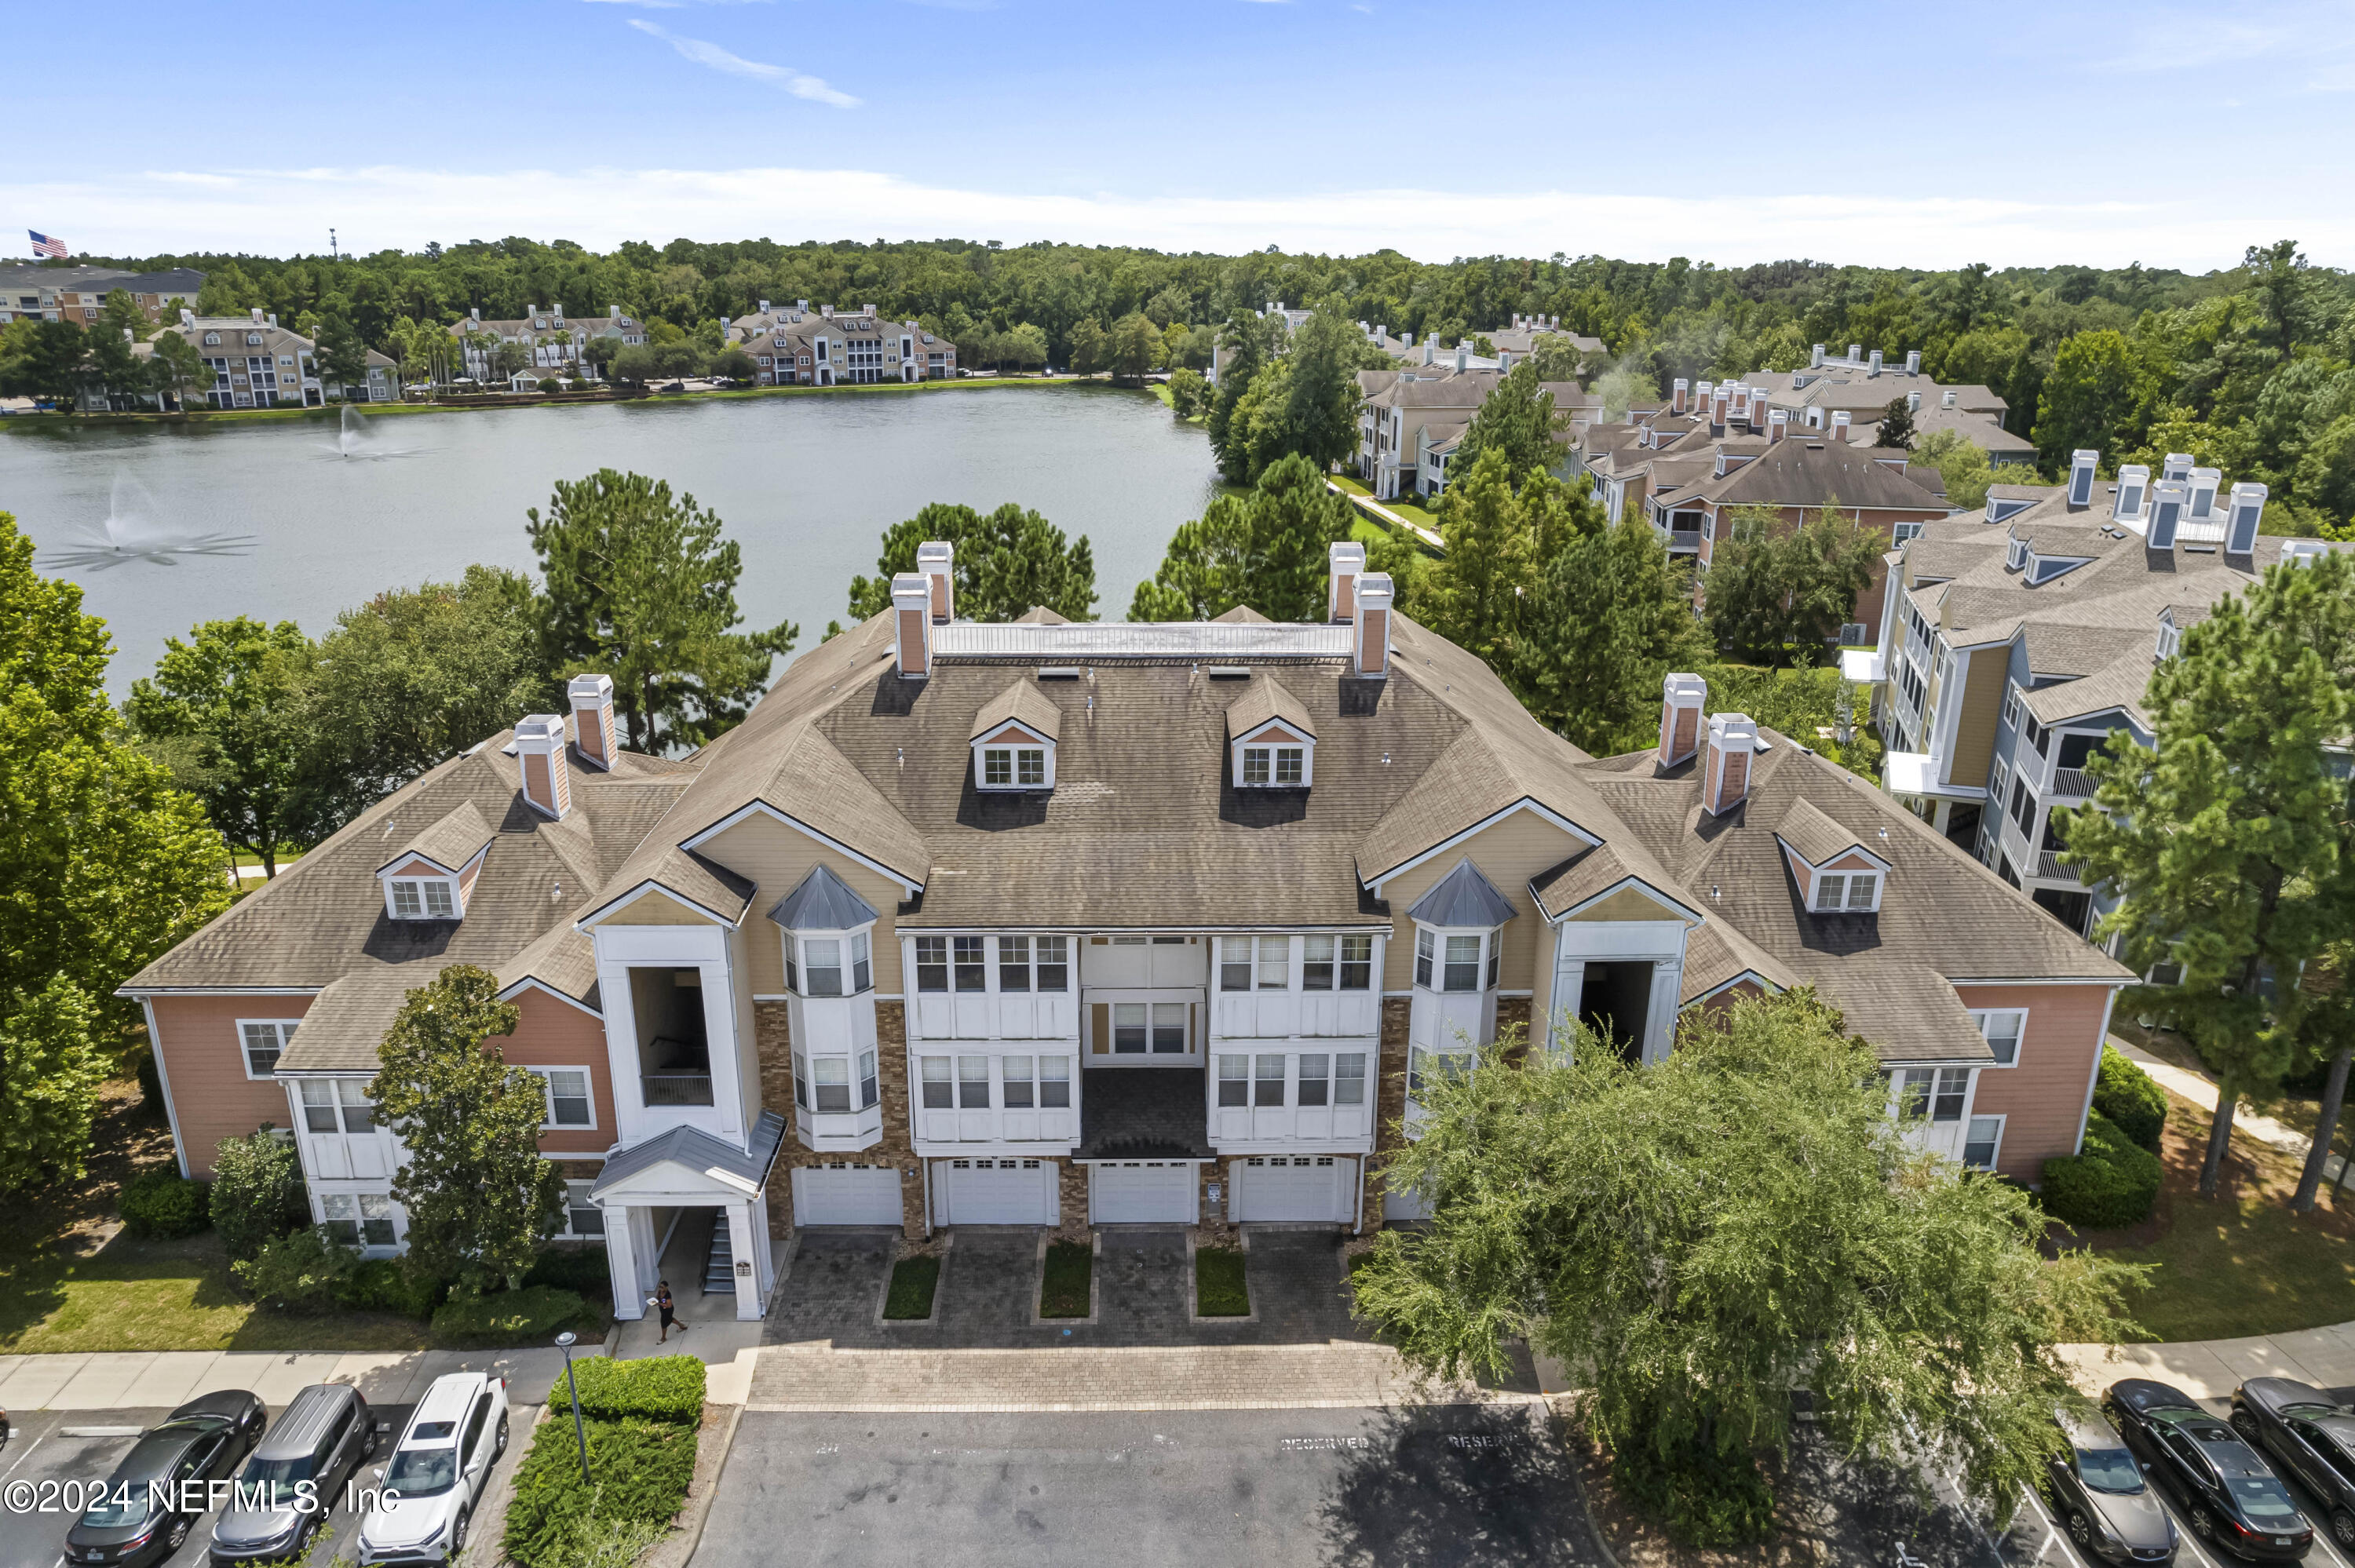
(669, 1316)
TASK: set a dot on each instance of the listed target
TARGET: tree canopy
(1005, 562)
(1269, 550)
(639, 586)
(225, 711)
(1772, 589)
(1517, 420)
(1703, 1235)
(479, 1197)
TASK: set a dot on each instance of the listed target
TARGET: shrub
(642, 1468)
(164, 1203)
(1220, 1290)
(533, 1312)
(581, 1268)
(913, 1281)
(659, 1388)
(387, 1285)
(2111, 1184)
(592, 1540)
(257, 1193)
(2127, 1095)
(1704, 1499)
(551, 384)
(304, 1271)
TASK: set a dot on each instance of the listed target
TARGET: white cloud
(799, 83)
(278, 211)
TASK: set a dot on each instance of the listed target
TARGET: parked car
(136, 1521)
(297, 1473)
(438, 1471)
(2098, 1493)
(2313, 1439)
(2230, 1494)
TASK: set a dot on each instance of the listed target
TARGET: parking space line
(22, 1458)
(2182, 1525)
(2052, 1528)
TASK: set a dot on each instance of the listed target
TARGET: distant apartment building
(78, 293)
(1411, 420)
(794, 345)
(257, 364)
(556, 343)
(1688, 469)
(1863, 385)
(2019, 639)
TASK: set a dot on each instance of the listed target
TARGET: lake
(285, 524)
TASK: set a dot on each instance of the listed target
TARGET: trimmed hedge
(164, 1203)
(642, 1470)
(2135, 1104)
(659, 1388)
(387, 1285)
(533, 1312)
(2111, 1184)
(581, 1268)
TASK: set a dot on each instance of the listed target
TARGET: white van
(437, 1474)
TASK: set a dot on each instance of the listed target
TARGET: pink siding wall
(553, 1033)
(205, 1059)
(2043, 1098)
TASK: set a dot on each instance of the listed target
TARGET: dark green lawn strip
(913, 1280)
(1219, 1288)
(1064, 1292)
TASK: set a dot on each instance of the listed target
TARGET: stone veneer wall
(1071, 1186)
(1390, 1108)
(773, 1036)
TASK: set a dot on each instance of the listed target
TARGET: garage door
(994, 1192)
(1404, 1203)
(1321, 1187)
(846, 1195)
(1144, 1193)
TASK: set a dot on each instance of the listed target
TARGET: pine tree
(1612, 615)
(1517, 420)
(1896, 426)
(1004, 564)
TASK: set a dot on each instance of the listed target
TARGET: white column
(1660, 1017)
(646, 1251)
(621, 1262)
(743, 1249)
(767, 1265)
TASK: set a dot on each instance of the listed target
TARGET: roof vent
(1228, 673)
(1059, 672)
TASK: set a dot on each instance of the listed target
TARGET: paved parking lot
(1423, 1485)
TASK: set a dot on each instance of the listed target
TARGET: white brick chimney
(1855, 353)
(934, 559)
(1725, 776)
(593, 719)
(1372, 642)
(1839, 425)
(2177, 466)
(1677, 391)
(1913, 362)
(1682, 698)
(1346, 562)
(2205, 482)
(2082, 463)
(1815, 357)
(539, 753)
(1719, 400)
(2243, 518)
(911, 625)
(2134, 488)
(1778, 425)
(1462, 354)
(2168, 498)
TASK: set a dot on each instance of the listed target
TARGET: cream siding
(1509, 854)
(776, 857)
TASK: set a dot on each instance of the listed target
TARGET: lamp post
(564, 1342)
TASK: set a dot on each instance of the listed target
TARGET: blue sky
(1888, 133)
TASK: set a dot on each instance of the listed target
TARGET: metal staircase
(719, 1262)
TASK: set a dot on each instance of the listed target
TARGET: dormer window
(1014, 740)
(423, 898)
(1851, 893)
(1836, 874)
(1271, 744)
(433, 875)
(2015, 556)
(2170, 639)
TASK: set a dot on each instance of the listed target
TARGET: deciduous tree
(1612, 614)
(480, 1199)
(1269, 550)
(1701, 1237)
(1005, 562)
(1517, 420)
(640, 585)
(1771, 587)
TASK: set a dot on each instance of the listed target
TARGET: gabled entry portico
(686, 1167)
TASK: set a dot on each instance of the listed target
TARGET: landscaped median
(641, 1420)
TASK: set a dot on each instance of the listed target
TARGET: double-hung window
(1496, 955)
(1423, 947)
(1349, 1078)
(1234, 963)
(2003, 1028)
(822, 966)
(971, 966)
(973, 1083)
(264, 1042)
(1317, 963)
(1463, 972)
(1054, 971)
(1234, 1081)
(581, 1217)
(1426, 1066)
(1356, 963)
(1980, 1143)
(319, 1105)
(1274, 963)
(1953, 1086)
(426, 898)
(939, 1091)
(1054, 1083)
(862, 964)
(358, 1220)
(932, 963)
(1267, 1080)
(1014, 767)
(1013, 964)
(830, 1077)
(867, 1089)
(1316, 1081)
(1020, 1086)
(567, 1090)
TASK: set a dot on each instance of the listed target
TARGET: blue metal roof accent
(695, 1149)
(822, 903)
(1463, 897)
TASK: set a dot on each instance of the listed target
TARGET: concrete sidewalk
(2209, 1369)
(1368, 503)
(2196, 1089)
(120, 1379)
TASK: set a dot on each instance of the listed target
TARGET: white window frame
(1983, 1019)
(448, 884)
(547, 1093)
(1018, 756)
(573, 1205)
(2011, 706)
(1995, 1154)
(285, 1028)
(1268, 756)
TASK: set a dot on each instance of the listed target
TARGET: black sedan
(2231, 1496)
(2098, 1493)
(161, 1488)
(2309, 1435)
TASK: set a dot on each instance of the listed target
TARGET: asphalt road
(50, 1449)
(1427, 1486)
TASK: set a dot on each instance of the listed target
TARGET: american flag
(46, 245)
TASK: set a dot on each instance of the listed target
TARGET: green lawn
(1220, 1290)
(1063, 1292)
(2243, 1264)
(1353, 486)
(913, 1280)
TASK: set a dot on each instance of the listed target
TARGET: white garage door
(994, 1192)
(1404, 1203)
(1144, 1193)
(846, 1195)
(1296, 1187)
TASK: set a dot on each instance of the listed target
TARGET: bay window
(830, 1080)
(1422, 945)
(1425, 1067)
(821, 967)
(1463, 971)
